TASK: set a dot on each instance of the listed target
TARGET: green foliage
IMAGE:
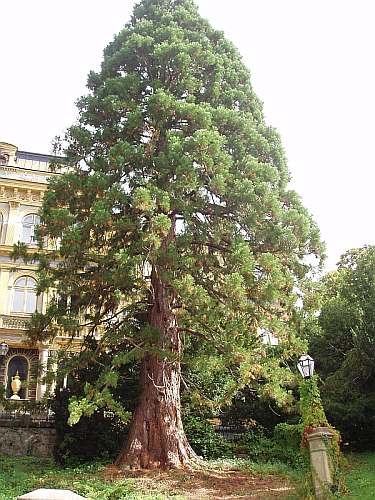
(24, 474)
(19, 476)
(288, 438)
(248, 408)
(311, 406)
(204, 440)
(342, 341)
(284, 445)
(313, 416)
(25, 405)
(360, 477)
(175, 173)
(97, 436)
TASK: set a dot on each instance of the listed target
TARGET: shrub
(204, 440)
(101, 435)
(283, 446)
(97, 437)
(247, 408)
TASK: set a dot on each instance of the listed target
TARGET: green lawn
(361, 478)
(20, 475)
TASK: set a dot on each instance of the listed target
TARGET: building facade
(23, 180)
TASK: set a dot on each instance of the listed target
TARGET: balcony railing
(13, 322)
(21, 323)
(63, 335)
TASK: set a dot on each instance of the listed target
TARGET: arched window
(24, 295)
(29, 223)
(18, 365)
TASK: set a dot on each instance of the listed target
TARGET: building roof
(26, 155)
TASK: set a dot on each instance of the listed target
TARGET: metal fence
(38, 416)
(230, 432)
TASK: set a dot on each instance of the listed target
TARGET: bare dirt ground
(218, 484)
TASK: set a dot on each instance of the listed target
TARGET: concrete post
(42, 386)
(321, 462)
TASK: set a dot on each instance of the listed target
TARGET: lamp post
(305, 366)
(4, 348)
(319, 436)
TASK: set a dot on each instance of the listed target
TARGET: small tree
(175, 226)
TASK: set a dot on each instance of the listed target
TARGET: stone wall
(33, 440)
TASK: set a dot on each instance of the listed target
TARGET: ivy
(311, 406)
(312, 417)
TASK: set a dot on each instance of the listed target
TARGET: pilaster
(42, 385)
(14, 223)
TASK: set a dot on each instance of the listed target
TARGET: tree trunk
(156, 437)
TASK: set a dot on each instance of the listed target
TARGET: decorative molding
(14, 204)
(7, 264)
(19, 175)
(19, 195)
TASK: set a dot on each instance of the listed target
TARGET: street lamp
(305, 366)
(4, 348)
(316, 433)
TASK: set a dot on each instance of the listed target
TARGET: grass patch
(360, 480)
(219, 479)
(21, 475)
(275, 468)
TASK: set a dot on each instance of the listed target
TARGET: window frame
(30, 241)
(26, 292)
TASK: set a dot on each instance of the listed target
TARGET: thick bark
(156, 437)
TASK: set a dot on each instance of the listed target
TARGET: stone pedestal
(320, 461)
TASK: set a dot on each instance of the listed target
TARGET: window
(268, 337)
(29, 223)
(68, 303)
(1, 226)
(24, 296)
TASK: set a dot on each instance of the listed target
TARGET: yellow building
(23, 180)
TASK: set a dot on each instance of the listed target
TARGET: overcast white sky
(312, 64)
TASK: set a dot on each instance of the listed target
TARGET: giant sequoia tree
(175, 226)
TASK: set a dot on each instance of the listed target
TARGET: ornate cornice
(14, 194)
(10, 265)
(24, 175)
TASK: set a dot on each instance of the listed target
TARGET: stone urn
(16, 386)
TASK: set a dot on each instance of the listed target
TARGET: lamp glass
(305, 366)
(4, 348)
